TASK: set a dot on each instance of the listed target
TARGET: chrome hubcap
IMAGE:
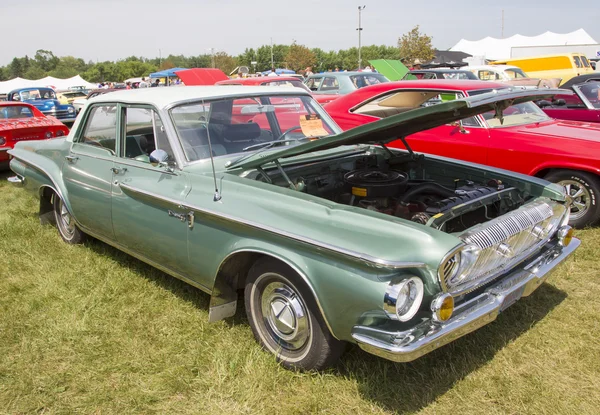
(66, 221)
(285, 315)
(581, 198)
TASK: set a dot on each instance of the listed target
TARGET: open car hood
(409, 122)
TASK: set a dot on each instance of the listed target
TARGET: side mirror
(560, 102)
(544, 103)
(160, 157)
(460, 127)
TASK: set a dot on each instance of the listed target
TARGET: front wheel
(65, 223)
(285, 319)
(584, 189)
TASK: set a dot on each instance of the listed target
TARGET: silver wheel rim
(285, 317)
(581, 198)
(65, 220)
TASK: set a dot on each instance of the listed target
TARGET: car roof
(447, 70)
(162, 97)
(257, 80)
(343, 74)
(13, 103)
(499, 67)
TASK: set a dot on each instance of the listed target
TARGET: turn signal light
(565, 235)
(442, 307)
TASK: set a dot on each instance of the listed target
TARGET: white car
(509, 74)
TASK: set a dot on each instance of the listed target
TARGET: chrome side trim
(378, 262)
(428, 335)
(292, 266)
(5, 148)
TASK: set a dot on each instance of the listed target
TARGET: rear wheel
(285, 319)
(584, 189)
(65, 223)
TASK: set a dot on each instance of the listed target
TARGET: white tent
(57, 83)
(497, 49)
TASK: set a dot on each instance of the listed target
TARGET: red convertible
(583, 105)
(521, 137)
(19, 122)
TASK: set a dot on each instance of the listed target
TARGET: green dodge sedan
(333, 237)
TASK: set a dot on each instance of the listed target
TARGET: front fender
(560, 164)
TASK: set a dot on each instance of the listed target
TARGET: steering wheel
(286, 132)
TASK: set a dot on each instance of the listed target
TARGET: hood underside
(410, 122)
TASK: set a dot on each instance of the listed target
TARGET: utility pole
(272, 62)
(212, 57)
(360, 9)
(159, 58)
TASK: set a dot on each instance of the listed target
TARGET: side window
(314, 83)
(330, 84)
(578, 63)
(487, 75)
(144, 133)
(101, 127)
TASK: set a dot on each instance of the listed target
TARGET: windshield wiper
(269, 144)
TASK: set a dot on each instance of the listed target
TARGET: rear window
(360, 81)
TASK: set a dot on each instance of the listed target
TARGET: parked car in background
(67, 97)
(521, 137)
(44, 99)
(80, 102)
(562, 66)
(24, 122)
(581, 79)
(332, 238)
(583, 105)
(438, 73)
(278, 81)
(342, 82)
(511, 75)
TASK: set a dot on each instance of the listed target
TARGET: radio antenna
(217, 196)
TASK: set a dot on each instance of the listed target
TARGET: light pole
(212, 56)
(360, 9)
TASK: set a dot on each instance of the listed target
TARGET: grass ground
(88, 329)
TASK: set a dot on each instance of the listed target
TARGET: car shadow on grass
(409, 387)
(181, 289)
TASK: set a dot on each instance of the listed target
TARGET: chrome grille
(503, 242)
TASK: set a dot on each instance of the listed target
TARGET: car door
(146, 216)
(87, 172)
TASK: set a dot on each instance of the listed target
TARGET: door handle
(117, 170)
(71, 159)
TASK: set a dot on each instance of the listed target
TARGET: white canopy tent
(498, 49)
(49, 81)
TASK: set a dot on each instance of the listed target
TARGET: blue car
(44, 99)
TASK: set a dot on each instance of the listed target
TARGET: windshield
(360, 81)
(515, 73)
(29, 94)
(591, 91)
(297, 83)
(245, 124)
(15, 111)
(520, 114)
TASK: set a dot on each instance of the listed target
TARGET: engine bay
(403, 188)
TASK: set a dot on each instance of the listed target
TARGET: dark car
(44, 99)
(581, 79)
(441, 73)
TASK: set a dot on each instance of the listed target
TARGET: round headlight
(49, 134)
(71, 109)
(403, 299)
(2, 141)
(60, 133)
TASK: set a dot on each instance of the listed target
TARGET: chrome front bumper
(405, 346)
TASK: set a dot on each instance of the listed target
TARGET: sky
(99, 30)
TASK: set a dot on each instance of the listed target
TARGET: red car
(279, 81)
(20, 121)
(583, 105)
(521, 137)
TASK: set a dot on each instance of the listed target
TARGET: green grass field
(90, 330)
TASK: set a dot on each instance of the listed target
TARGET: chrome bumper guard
(405, 346)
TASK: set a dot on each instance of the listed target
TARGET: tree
(414, 45)
(46, 60)
(299, 57)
